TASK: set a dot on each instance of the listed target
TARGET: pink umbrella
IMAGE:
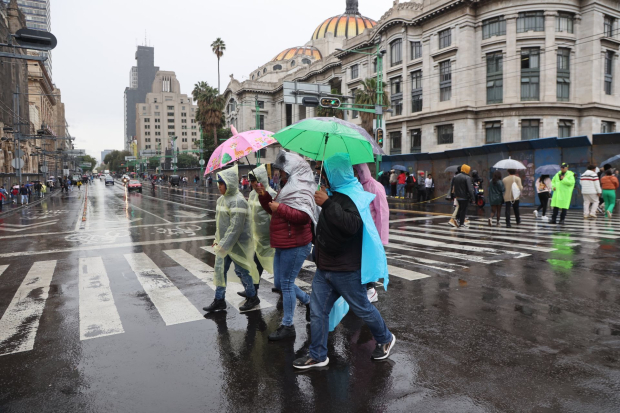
(240, 145)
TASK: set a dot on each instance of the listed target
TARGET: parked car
(175, 180)
(109, 180)
(134, 185)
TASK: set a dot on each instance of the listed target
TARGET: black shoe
(308, 362)
(508, 226)
(276, 290)
(308, 312)
(282, 333)
(242, 293)
(216, 305)
(382, 351)
(250, 303)
(554, 222)
(561, 222)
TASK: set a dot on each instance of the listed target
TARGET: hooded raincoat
(379, 209)
(259, 221)
(233, 236)
(563, 192)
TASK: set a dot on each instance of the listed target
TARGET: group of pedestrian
(278, 231)
(404, 185)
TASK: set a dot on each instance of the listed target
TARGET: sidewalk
(10, 207)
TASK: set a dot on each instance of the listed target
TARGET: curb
(30, 204)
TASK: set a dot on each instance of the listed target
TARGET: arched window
(258, 74)
(306, 61)
(264, 70)
(277, 67)
(293, 63)
(252, 77)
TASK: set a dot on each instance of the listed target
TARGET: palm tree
(210, 108)
(368, 96)
(218, 47)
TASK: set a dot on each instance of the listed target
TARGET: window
(183, 120)
(170, 120)
(306, 61)
(170, 113)
(495, 78)
(355, 71)
(147, 119)
(277, 67)
(193, 120)
(397, 96)
(445, 38)
(170, 107)
(147, 146)
(147, 133)
(493, 27)
(261, 122)
(530, 74)
(354, 113)
(157, 126)
(416, 91)
(264, 70)
(147, 126)
(289, 114)
(608, 26)
(395, 85)
(293, 63)
(564, 22)
(445, 134)
(170, 126)
(193, 133)
(147, 140)
(445, 81)
(565, 128)
(609, 70)
(184, 114)
(184, 134)
(563, 78)
(531, 21)
(396, 56)
(607, 127)
(261, 104)
(157, 133)
(157, 114)
(170, 133)
(493, 132)
(416, 140)
(183, 139)
(395, 139)
(530, 129)
(416, 50)
(374, 66)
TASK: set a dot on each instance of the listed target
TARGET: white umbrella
(509, 164)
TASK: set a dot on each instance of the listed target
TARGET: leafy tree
(330, 112)
(185, 160)
(114, 159)
(210, 108)
(89, 159)
(218, 47)
(154, 163)
(368, 96)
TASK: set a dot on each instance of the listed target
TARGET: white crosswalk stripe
(172, 305)
(20, 322)
(3, 268)
(593, 230)
(98, 314)
(448, 254)
(539, 231)
(454, 245)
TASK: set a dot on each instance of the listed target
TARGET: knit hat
(465, 169)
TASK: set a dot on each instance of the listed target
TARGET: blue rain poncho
(233, 236)
(260, 221)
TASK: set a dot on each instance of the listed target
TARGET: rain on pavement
(101, 312)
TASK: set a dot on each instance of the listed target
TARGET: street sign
(130, 158)
(201, 162)
(75, 152)
(44, 169)
(310, 102)
(86, 165)
(148, 152)
(35, 39)
(17, 163)
(294, 92)
(19, 153)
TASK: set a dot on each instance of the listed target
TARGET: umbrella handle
(323, 161)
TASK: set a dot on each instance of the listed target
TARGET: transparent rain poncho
(233, 236)
(260, 220)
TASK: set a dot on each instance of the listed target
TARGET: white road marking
(418, 218)
(204, 272)
(406, 274)
(98, 314)
(593, 230)
(600, 220)
(186, 214)
(20, 322)
(538, 231)
(178, 203)
(3, 268)
(456, 255)
(416, 261)
(172, 305)
(19, 228)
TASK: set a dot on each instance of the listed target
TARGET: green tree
(210, 108)
(88, 159)
(114, 159)
(185, 160)
(330, 112)
(218, 47)
(154, 163)
(368, 96)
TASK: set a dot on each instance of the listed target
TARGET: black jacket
(463, 187)
(339, 235)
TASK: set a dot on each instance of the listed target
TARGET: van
(175, 180)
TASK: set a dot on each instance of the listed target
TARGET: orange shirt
(609, 182)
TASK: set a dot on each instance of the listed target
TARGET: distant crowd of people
(404, 185)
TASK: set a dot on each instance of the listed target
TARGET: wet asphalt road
(104, 315)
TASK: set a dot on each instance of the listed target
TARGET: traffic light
(380, 137)
(310, 101)
(330, 102)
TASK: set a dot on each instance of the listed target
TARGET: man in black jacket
(463, 192)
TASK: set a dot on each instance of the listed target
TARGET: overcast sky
(97, 41)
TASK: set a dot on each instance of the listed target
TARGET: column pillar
(550, 73)
(464, 83)
(429, 96)
(512, 69)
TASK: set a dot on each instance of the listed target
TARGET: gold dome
(348, 25)
(292, 52)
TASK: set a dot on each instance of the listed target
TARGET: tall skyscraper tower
(37, 13)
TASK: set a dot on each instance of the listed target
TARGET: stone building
(463, 73)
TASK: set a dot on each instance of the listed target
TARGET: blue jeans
(244, 276)
(400, 190)
(327, 287)
(387, 189)
(286, 265)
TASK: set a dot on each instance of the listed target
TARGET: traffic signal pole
(379, 102)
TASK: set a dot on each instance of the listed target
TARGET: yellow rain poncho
(233, 236)
(260, 220)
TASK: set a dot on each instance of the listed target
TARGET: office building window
(416, 50)
(445, 81)
(354, 113)
(147, 146)
(608, 26)
(184, 134)
(170, 120)
(183, 114)
(609, 71)
(530, 129)
(416, 91)
(445, 134)
(395, 143)
(608, 127)
(564, 22)
(563, 76)
(495, 78)
(183, 139)
(183, 120)
(493, 27)
(261, 104)
(493, 132)
(147, 119)
(396, 55)
(261, 122)
(355, 71)
(170, 133)
(565, 128)
(531, 21)
(170, 107)
(530, 74)
(157, 114)
(170, 126)
(157, 133)
(397, 96)
(445, 38)
(374, 66)
(193, 133)
(395, 85)
(170, 113)
(416, 140)
(147, 126)
(157, 126)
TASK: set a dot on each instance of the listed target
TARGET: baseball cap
(564, 165)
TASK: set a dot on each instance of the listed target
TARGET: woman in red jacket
(293, 216)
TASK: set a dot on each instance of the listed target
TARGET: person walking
(409, 183)
(37, 189)
(496, 197)
(384, 179)
(421, 188)
(601, 174)
(393, 182)
(455, 203)
(513, 188)
(15, 193)
(379, 211)
(345, 228)
(609, 185)
(543, 189)
(464, 193)
(23, 191)
(562, 184)
(233, 243)
(591, 191)
(79, 185)
(3, 195)
(402, 182)
(293, 216)
(429, 185)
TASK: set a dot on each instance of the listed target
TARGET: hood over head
(339, 171)
(230, 177)
(364, 172)
(260, 174)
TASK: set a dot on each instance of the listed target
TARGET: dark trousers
(429, 193)
(393, 188)
(515, 206)
(463, 204)
(260, 270)
(555, 214)
(422, 194)
(544, 201)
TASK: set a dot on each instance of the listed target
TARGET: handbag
(516, 192)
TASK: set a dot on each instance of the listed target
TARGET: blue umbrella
(399, 168)
(612, 160)
(548, 170)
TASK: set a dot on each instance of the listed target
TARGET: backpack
(516, 192)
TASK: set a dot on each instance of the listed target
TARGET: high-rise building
(140, 82)
(104, 153)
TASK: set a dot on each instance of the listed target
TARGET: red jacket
(402, 179)
(289, 227)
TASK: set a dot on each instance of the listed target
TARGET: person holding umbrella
(514, 187)
(563, 184)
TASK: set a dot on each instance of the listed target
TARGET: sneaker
(545, 218)
(465, 225)
(535, 214)
(466, 221)
(250, 303)
(216, 305)
(282, 333)
(453, 223)
(608, 213)
(382, 351)
(490, 222)
(593, 216)
(586, 216)
(561, 222)
(373, 297)
(276, 290)
(308, 362)
(242, 293)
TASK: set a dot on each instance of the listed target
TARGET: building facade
(104, 153)
(166, 113)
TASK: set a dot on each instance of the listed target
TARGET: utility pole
(174, 154)
(17, 134)
(257, 107)
(379, 100)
